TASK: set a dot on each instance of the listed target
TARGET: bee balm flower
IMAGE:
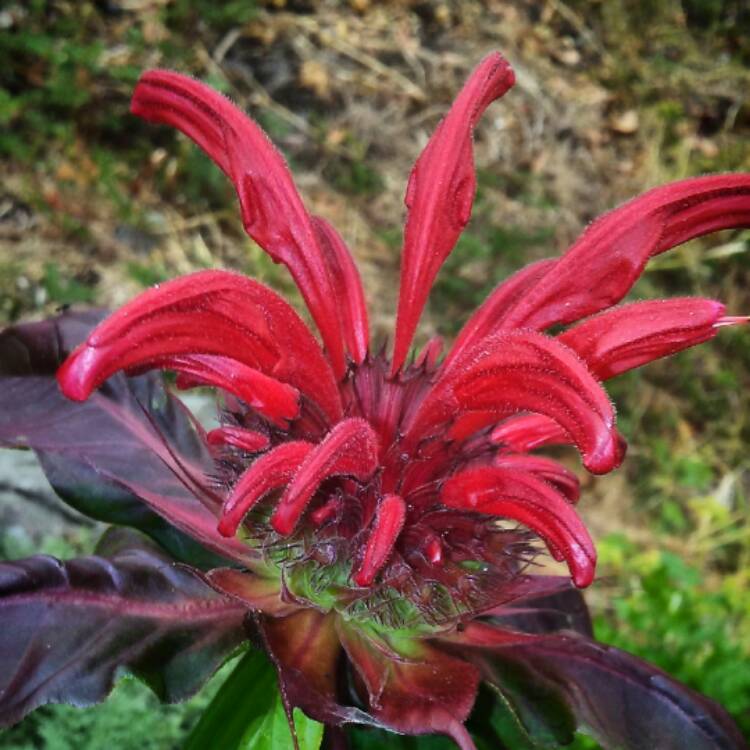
(379, 514)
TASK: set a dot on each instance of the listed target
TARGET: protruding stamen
(238, 437)
(350, 448)
(732, 320)
(389, 520)
(269, 472)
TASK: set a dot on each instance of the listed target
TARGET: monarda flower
(370, 519)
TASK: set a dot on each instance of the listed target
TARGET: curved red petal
(529, 431)
(629, 336)
(604, 263)
(389, 520)
(349, 449)
(532, 502)
(440, 195)
(269, 472)
(272, 211)
(489, 316)
(208, 312)
(347, 286)
(525, 371)
(277, 401)
(564, 480)
(238, 437)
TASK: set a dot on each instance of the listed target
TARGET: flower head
(381, 512)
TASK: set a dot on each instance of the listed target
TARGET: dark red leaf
(423, 692)
(131, 447)
(70, 628)
(625, 703)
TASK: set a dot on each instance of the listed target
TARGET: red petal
(564, 480)
(239, 437)
(529, 431)
(532, 502)
(347, 286)
(276, 401)
(603, 264)
(209, 312)
(490, 315)
(525, 371)
(272, 211)
(423, 692)
(271, 471)
(629, 336)
(389, 520)
(349, 449)
(440, 195)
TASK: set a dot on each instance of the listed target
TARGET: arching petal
(347, 286)
(564, 480)
(440, 195)
(277, 401)
(529, 431)
(532, 502)
(349, 449)
(489, 316)
(389, 520)
(525, 371)
(269, 472)
(632, 335)
(208, 312)
(604, 263)
(272, 211)
(238, 437)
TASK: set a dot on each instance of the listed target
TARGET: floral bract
(372, 519)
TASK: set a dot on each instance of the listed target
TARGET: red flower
(388, 509)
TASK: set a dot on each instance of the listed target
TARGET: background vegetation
(613, 97)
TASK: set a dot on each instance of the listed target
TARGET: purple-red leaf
(305, 649)
(70, 628)
(622, 701)
(131, 447)
(272, 211)
(440, 195)
(424, 692)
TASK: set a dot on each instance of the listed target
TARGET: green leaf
(247, 713)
